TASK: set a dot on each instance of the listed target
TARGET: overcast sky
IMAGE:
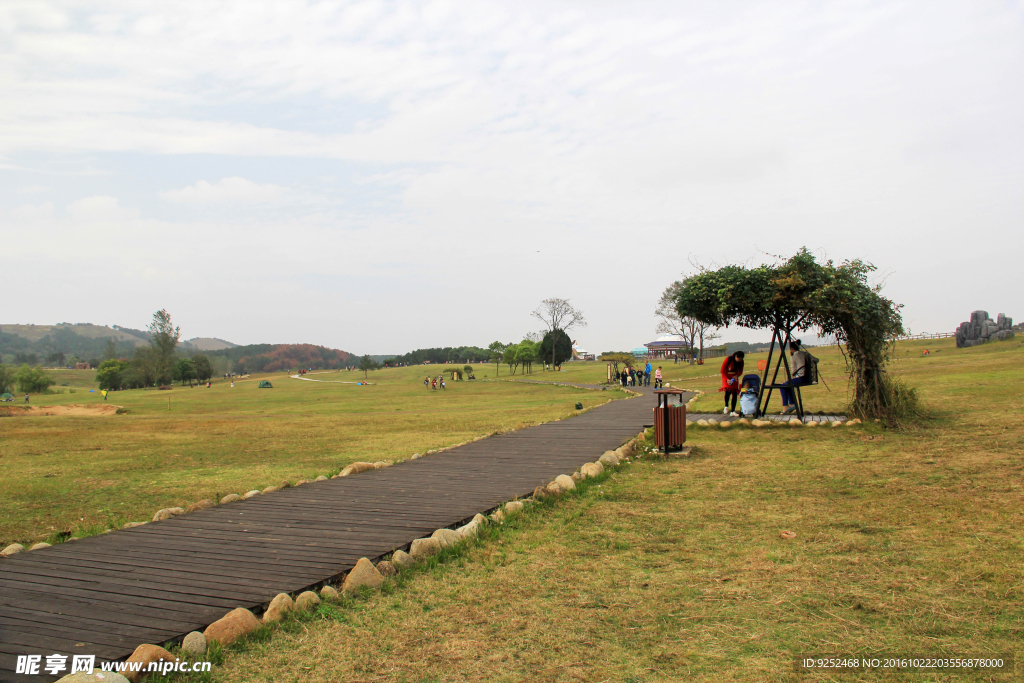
(379, 177)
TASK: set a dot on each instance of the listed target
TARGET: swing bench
(783, 334)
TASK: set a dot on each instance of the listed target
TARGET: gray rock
(424, 547)
(204, 504)
(249, 494)
(386, 569)
(513, 506)
(39, 546)
(400, 558)
(980, 329)
(321, 478)
(565, 481)
(167, 513)
(12, 549)
(363, 574)
(281, 605)
(328, 593)
(194, 643)
(230, 498)
(446, 537)
(307, 600)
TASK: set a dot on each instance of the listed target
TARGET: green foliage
(446, 354)
(508, 356)
(616, 357)
(801, 294)
(109, 374)
(163, 339)
(562, 347)
(7, 374)
(185, 370)
(468, 369)
(366, 364)
(32, 380)
(202, 365)
(526, 353)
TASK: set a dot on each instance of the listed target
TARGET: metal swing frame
(783, 334)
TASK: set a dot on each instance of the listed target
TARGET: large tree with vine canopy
(802, 294)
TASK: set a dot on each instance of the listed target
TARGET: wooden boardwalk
(107, 594)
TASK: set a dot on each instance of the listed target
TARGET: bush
(902, 406)
(33, 380)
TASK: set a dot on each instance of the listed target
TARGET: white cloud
(232, 189)
(99, 208)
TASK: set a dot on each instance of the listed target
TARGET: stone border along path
(692, 418)
(105, 595)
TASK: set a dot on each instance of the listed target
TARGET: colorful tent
(266, 385)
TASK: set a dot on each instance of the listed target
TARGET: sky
(384, 176)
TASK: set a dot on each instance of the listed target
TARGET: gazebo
(667, 346)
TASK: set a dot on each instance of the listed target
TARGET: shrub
(32, 380)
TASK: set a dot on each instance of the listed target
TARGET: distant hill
(278, 357)
(35, 344)
(36, 333)
(208, 344)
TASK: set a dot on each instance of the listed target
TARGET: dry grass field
(907, 542)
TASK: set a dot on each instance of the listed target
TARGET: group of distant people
(433, 382)
(641, 377)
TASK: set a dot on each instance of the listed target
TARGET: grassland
(908, 542)
(86, 474)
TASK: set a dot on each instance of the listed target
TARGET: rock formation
(981, 328)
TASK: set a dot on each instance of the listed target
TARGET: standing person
(658, 383)
(443, 386)
(647, 374)
(26, 397)
(433, 384)
(732, 368)
(426, 382)
(798, 376)
(623, 377)
(104, 392)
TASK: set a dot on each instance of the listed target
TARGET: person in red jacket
(732, 368)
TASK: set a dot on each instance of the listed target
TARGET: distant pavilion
(667, 346)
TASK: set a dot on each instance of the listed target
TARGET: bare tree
(558, 314)
(693, 332)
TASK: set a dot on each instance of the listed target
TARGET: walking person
(647, 374)
(798, 376)
(732, 368)
(623, 377)
(658, 383)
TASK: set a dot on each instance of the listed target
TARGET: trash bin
(669, 421)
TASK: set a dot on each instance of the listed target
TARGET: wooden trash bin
(674, 417)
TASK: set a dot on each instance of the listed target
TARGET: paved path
(154, 583)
